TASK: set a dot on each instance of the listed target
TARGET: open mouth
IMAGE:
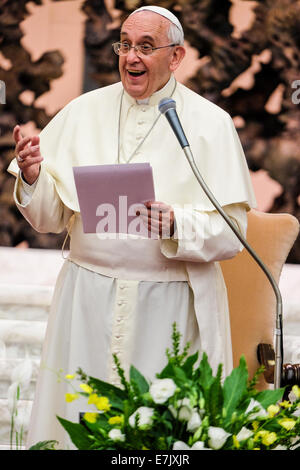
(136, 73)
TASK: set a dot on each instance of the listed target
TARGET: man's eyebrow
(146, 37)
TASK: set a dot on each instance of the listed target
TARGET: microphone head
(165, 104)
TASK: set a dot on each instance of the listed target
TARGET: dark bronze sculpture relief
(271, 139)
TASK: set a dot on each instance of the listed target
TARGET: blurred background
(242, 55)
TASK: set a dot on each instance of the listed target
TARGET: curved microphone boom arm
(167, 106)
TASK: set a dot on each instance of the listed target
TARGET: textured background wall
(64, 47)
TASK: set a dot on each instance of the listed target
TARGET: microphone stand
(278, 329)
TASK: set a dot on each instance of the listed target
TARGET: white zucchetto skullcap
(163, 12)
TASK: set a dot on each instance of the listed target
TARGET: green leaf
(105, 388)
(139, 379)
(169, 441)
(235, 386)
(215, 398)
(44, 445)
(273, 425)
(189, 363)
(269, 397)
(206, 377)
(101, 423)
(78, 433)
(167, 372)
(115, 395)
(180, 375)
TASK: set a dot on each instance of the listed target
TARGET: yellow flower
(285, 404)
(269, 438)
(90, 417)
(262, 433)
(115, 420)
(273, 410)
(86, 388)
(235, 441)
(296, 390)
(70, 376)
(103, 404)
(255, 425)
(287, 423)
(71, 397)
(93, 399)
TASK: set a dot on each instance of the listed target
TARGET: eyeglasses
(122, 48)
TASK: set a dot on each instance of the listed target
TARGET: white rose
(12, 396)
(185, 402)
(179, 445)
(244, 434)
(293, 441)
(173, 410)
(162, 389)
(292, 397)
(145, 417)
(296, 413)
(199, 445)
(185, 409)
(260, 413)
(217, 437)
(116, 435)
(280, 447)
(185, 413)
(194, 422)
(22, 418)
(22, 373)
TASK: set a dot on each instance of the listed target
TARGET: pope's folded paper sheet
(109, 197)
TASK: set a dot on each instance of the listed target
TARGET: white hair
(175, 35)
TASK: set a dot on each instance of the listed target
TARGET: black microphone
(167, 106)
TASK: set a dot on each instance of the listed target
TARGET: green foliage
(268, 397)
(175, 357)
(235, 387)
(79, 434)
(44, 445)
(186, 406)
(138, 380)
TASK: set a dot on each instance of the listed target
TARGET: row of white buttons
(126, 292)
(117, 332)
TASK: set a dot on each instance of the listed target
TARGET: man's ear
(178, 55)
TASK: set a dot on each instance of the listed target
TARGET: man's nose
(132, 55)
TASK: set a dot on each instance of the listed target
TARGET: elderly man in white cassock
(122, 295)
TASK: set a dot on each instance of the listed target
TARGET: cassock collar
(154, 99)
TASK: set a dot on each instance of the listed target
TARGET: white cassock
(123, 295)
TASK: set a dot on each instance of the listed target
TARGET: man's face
(143, 75)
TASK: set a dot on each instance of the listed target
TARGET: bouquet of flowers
(185, 408)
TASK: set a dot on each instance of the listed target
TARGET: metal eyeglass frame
(137, 48)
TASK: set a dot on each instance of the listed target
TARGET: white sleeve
(205, 236)
(25, 190)
(40, 204)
